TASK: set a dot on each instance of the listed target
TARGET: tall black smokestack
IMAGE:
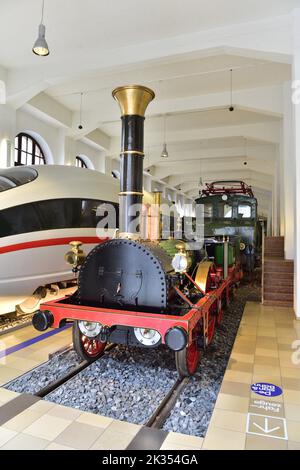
(133, 101)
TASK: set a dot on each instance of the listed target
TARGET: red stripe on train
(49, 242)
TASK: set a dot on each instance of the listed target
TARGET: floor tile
(293, 445)
(94, 420)
(42, 406)
(229, 420)
(112, 440)
(55, 446)
(292, 396)
(270, 370)
(123, 427)
(64, 412)
(7, 395)
(25, 442)
(6, 435)
(79, 435)
(184, 439)
(292, 412)
(22, 420)
(223, 439)
(237, 376)
(266, 360)
(232, 402)
(235, 388)
(172, 446)
(47, 427)
(293, 430)
(264, 443)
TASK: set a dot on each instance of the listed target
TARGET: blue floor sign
(266, 389)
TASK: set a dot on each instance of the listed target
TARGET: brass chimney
(133, 101)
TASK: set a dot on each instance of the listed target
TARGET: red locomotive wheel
(187, 359)
(220, 312)
(89, 349)
(211, 327)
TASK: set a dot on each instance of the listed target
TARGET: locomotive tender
(141, 292)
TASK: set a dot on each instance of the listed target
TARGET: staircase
(278, 274)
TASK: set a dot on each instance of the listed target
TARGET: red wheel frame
(220, 311)
(187, 359)
(89, 349)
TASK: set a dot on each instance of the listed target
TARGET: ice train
(42, 209)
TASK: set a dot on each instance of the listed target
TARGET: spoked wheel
(187, 359)
(220, 311)
(89, 349)
(212, 318)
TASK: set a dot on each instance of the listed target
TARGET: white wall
(58, 148)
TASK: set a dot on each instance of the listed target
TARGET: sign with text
(266, 389)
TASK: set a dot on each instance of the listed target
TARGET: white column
(7, 134)
(289, 180)
(275, 199)
(296, 129)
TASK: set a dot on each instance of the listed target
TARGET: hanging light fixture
(40, 46)
(200, 177)
(80, 127)
(246, 151)
(231, 107)
(164, 153)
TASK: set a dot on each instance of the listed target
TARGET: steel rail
(165, 407)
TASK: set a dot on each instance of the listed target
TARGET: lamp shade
(164, 153)
(40, 46)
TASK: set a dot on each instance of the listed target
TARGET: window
(28, 151)
(227, 211)
(53, 215)
(80, 163)
(208, 210)
(14, 177)
(244, 211)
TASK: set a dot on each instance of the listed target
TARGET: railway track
(51, 387)
(157, 418)
(163, 410)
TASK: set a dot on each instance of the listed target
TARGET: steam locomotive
(144, 292)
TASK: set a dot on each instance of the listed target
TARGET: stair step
(278, 303)
(278, 296)
(278, 283)
(276, 268)
(281, 289)
(274, 254)
(278, 275)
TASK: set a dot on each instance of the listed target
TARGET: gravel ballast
(127, 384)
(45, 374)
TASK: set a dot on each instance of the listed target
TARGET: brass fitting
(76, 256)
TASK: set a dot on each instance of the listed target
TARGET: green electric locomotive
(230, 210)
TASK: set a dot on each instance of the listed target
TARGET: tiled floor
(15, 364)
(263, 352)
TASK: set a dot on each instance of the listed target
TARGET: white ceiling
(84, 25)
(192, 88)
